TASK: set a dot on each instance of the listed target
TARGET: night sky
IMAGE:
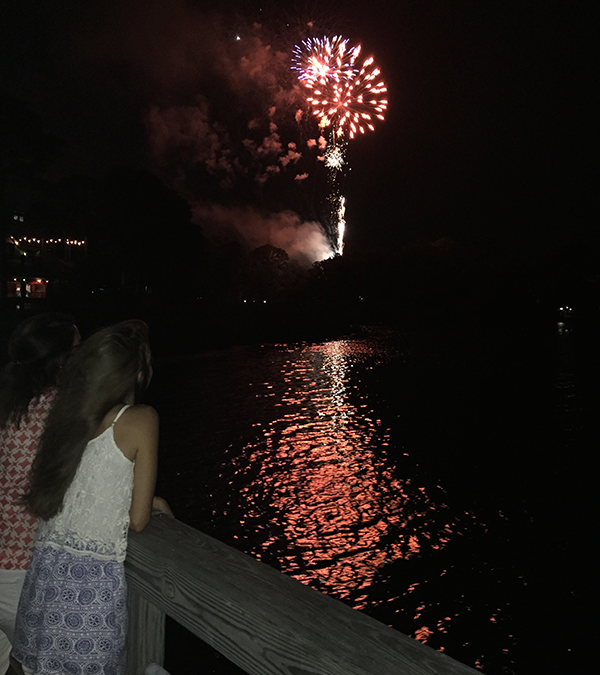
(488, 135)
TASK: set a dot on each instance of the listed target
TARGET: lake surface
(439, 482)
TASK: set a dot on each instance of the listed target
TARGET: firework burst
(339, 92)
(351, 106)
(319, 61)
(344, 96)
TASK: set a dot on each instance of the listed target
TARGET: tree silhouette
(266, 273)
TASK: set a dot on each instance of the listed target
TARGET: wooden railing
(262, 620)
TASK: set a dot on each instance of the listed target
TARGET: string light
(33, 240)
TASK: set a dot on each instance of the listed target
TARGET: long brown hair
(107, 368)
(37, 349)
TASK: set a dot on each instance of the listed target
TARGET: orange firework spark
(341, 94)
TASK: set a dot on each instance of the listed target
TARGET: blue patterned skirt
(72, 616)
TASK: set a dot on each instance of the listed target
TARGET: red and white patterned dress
(18, 446)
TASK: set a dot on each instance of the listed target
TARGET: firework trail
(341, 216)
(343, 96)
(335, 159)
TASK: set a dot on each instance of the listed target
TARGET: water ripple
(325, 498)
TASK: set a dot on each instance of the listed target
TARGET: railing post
(145, 635)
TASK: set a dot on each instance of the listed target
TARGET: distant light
(237, 37)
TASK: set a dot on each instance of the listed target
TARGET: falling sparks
(334, 157)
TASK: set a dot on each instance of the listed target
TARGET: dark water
(442, 483)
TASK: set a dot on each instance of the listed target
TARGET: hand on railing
(159, 504)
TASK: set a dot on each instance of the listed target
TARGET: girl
(37, 350)
(93, 477)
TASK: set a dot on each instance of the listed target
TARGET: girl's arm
(160, 504)
(143, 434)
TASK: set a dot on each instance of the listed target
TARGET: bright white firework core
(334, 157)
(341, 214)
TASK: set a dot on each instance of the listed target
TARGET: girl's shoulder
(136, 415)
(136, 428)
(123, 421)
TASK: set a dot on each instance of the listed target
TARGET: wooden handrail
(264, 621)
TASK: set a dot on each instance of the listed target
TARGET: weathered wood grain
(266, 622)
(145, 635)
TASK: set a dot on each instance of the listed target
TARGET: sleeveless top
(18, 445)
(94, 518)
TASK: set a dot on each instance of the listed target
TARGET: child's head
(37, 349)
(112, 366)
(41, 340)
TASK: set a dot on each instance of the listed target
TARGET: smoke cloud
(304, 242)
(222, 112)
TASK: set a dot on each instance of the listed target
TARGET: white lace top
(95, 516)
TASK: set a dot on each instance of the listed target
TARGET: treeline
(145, 258)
